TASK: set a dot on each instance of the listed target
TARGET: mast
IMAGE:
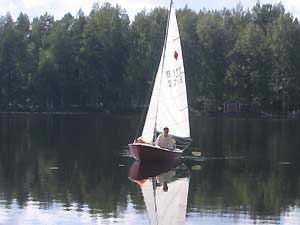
(168, 105)
(163, 62)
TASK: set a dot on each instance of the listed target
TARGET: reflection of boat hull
(146, 152)
(143, 170)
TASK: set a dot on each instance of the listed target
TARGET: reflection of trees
(258, 183)
(262, 193)
(86, 154)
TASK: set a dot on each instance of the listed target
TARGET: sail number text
(175, 77)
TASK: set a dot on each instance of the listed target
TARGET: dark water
(73, 169)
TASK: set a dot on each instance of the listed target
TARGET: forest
(103, 62)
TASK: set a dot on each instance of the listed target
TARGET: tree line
(104, 62)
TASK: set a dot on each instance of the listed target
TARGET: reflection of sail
(166, 207)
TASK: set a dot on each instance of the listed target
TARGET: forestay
(168, 105)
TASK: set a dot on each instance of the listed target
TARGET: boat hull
(146, 152)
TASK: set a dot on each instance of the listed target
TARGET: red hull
(146, 152)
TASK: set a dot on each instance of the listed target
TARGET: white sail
(168, 105)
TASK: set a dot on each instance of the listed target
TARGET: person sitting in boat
(165, 140)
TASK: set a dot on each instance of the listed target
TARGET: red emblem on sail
(176, 55)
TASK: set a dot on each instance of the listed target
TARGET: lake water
(74, 169)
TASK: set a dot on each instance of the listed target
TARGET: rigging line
(144, 114)
(162, 66)
(148, 100)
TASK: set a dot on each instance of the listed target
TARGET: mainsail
(168, 105)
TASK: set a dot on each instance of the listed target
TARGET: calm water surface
(73, 169)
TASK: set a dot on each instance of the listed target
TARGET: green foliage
(103, 62)
(104, 53)
(9, 81)
(249, 68)
(147, 37)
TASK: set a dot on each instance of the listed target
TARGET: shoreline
(241, 115)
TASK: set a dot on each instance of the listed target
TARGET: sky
(58, 8)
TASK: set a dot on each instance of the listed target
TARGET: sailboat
(168, 104)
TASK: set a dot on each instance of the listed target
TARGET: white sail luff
(149, 125)
(168, 105)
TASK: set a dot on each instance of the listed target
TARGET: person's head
(166, 131)
(165, 187)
